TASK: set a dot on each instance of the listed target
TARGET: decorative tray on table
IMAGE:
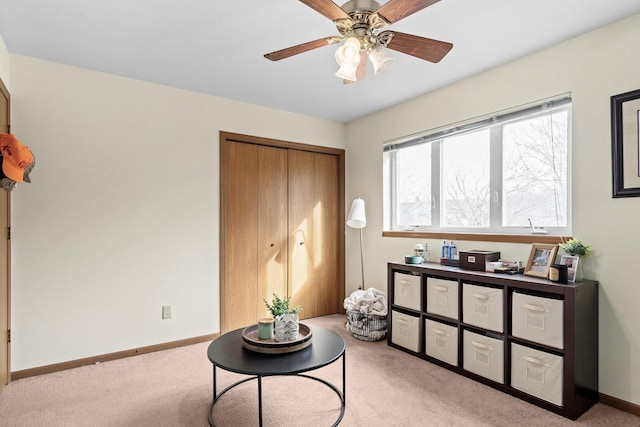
(251, 341)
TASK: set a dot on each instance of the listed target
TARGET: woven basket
(366, 327)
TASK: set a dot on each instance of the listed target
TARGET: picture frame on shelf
(540, 259)
(572, 266)
(625, 144)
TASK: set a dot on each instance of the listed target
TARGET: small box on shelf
(477, 260)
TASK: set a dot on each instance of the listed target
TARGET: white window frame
(435, 138)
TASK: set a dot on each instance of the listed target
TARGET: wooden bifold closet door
(281, 228)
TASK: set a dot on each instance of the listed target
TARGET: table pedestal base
(217, 396)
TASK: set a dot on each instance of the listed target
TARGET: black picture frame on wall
(625, 144)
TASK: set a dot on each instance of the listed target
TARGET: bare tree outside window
(466, 180)
(535, 171)
(413, 186)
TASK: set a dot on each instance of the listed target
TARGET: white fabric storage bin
(484, 356)
(537, 319)
(482, 306)
(441, 341)
(537, 373)
(405, 331)
(406, 290)
(442, 297)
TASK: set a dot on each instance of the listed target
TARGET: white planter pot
(286, 328)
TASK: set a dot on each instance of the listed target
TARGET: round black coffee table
(228, 353)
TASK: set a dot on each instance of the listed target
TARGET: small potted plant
(575, 247)
(287, 321)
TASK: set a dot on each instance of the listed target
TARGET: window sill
(479, 237)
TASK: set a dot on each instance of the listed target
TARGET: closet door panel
(272, 225)
(326, 229)
(301, 202)
(239, 302)
(313, 222)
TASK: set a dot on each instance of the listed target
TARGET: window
(502, 174)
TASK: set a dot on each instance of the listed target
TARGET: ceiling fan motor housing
(369, 5)
(364, 23)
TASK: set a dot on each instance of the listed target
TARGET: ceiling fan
(361, 24)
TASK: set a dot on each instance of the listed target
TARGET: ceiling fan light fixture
(380, 59)
(361, 26)
(347, 72)
(348, 55)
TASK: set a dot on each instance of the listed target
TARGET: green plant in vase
(287, 323)
(575, 247)
(280, 306)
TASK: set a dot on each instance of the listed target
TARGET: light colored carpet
(385, 387)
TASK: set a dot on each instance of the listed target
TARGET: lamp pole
(358, 219)
(362, 258)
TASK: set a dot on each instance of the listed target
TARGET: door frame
(6, 341)
(228, 137)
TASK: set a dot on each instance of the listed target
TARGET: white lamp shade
(349, 53)
(357, 217)
(380, 59)
(348, 73)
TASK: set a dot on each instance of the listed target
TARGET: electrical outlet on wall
(166, 312)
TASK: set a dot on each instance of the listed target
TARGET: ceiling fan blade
(361, 71)
(421, 47)
(304, 47)
(395, 10)
(327, 8)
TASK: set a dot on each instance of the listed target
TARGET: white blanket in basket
(371, 301)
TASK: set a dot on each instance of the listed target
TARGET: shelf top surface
(482, 276)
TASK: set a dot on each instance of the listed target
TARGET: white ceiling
(217, 47)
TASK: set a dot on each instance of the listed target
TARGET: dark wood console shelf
(528, 337)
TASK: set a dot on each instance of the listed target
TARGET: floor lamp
(358, 219)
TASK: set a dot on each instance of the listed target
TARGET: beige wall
(592, 67)
(122, 216)
(4, 64)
